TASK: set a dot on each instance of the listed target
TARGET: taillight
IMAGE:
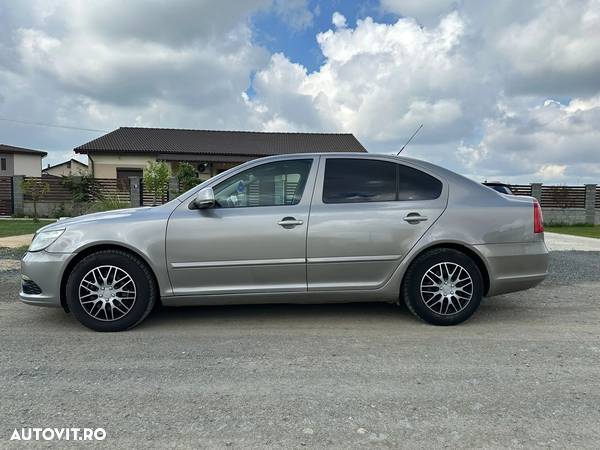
(538, 220)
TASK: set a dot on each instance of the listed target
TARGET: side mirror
(205, 198)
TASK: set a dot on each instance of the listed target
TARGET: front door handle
(414, 218)
(289, 222)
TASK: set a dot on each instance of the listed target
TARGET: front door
(365, 217)
(253, 240)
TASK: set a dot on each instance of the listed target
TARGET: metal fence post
(135, 191)
(590, 203)
(18, 200)
(173, 188)
(536, 191)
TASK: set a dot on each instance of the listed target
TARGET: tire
(438, 303)
(101, 296)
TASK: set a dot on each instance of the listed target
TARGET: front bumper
(515, 266)
(45, 270)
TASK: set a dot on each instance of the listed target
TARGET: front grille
(29, 287)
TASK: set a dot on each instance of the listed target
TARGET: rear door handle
(415, 218)
(289, 222)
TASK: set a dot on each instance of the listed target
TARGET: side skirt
(346, 296)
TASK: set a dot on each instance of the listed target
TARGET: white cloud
(551, 172)
(185, 64)
(506, 90)
(295, 13)
(423, 10)
(557, 51)
(379, 81)
(548, 142)
(338, 20)
(483, 87)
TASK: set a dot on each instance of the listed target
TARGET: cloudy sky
(506, 90)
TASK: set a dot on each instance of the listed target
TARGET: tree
(36, 190)
(156, 179)
(187, 176)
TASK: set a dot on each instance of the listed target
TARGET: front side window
(365, 180)
(272, 184)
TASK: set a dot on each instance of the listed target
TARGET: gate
(6, 196)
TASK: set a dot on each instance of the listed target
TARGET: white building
(20, 161)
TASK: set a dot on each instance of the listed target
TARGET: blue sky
(300, 44)
(506, 90)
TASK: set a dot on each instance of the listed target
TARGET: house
(20, 161)
(66, 168)
(125, 152)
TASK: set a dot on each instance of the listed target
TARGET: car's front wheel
(110, 290)
(443, 287)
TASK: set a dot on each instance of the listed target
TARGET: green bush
(107, 203)
(187, 175)
(156, 179)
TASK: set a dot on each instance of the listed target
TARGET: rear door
(366, 215)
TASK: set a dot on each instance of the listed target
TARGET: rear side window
(365, 180)
(358, 181)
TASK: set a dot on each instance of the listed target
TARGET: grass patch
(13, 253)
(10, 227)
(592, 231)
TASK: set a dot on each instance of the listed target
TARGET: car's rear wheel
(110, 290)
(443, 287)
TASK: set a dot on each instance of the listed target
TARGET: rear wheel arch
(477, 259)
(94, 249)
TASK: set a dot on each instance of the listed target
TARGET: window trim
(383, 160)
(308, 174)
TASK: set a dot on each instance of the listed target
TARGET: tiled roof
(169, 140)
(11, 149)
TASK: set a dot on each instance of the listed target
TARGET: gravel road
(523, 372)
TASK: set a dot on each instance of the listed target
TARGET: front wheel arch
(94, 249)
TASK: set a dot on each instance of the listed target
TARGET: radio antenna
(410, 139)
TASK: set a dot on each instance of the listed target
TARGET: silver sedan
(302, 228)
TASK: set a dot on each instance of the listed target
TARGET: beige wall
(105, 166)
(63, 170)
(28, 165)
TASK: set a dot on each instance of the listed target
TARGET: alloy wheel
(446, 288)
(107, 293)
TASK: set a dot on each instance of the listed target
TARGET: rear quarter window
(414, 184)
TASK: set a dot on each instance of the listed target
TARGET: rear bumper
(45, 270)
(515, 266)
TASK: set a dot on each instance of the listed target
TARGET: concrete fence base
(570, 216)
(52, 209)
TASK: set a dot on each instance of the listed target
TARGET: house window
(2, 163)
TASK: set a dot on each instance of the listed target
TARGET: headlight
(43, 239)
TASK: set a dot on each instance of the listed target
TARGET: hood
(96, 217)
